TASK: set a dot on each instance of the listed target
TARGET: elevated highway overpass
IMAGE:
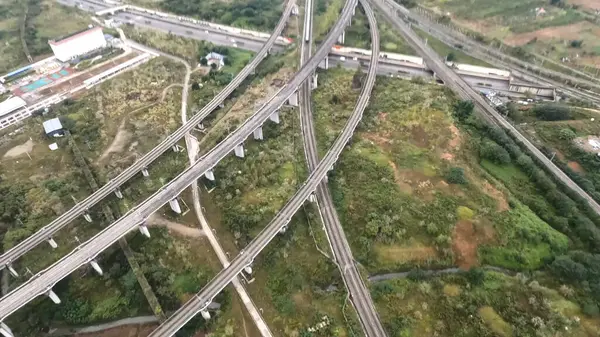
(42, 282)
(81, 208)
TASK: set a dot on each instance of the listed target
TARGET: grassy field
(488, 304)
(392, 193)
(357, 35)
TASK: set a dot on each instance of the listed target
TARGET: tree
(463, 109)
(566, 134)
(567, 269)
(475, 276)
(552, 112)
(494, 152)
(195, 86)
(450, 57)
(576, 43)
(456, 175)
(203, 61)
(213, 66)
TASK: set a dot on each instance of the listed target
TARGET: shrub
(463, 109)
(456, 175)
(566, 134)
(552, 112)
(494, 152)
(464, 213)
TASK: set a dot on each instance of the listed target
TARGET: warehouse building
(77, 44)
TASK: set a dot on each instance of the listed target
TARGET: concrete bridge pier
(239, 151)
(314, 81)
(210, 175)
(52, 243)
(87, 217)
(145, 172)
(5, 330)
(12, 270)
(275, 117)
(312, 198)
(53, 296)
(96, 267)
(342, 37)
(248, 269)
(293, 99)
(283, 229)
(118, 193)
(174, 203)
(258, 133)
(205, 314)
(144, 230)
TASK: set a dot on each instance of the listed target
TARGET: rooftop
(52, 125)
(73, 36)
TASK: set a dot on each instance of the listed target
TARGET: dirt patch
(589, 4)
(455, 141)
(381, 140)
(568, 32)
(404, 187)
(382, 116)
(573, 165)
(588, 143)
(447, 156)
(466, 238)
(118, 144)
(501, 203)
(419, 136)
(19, 150)
(157, 220)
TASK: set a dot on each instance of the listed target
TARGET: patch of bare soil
(157, 220)
(419, 136)
(453, 143)
(404, 187)
(466, 238)
(501, 203)
(118, 144)
(381, 140)
(567, 32)
(573, 165)
(19, 150)
(589, 4)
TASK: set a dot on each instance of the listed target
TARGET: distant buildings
(10, 105)
(77, 44)
(216, 59)
(53, 128)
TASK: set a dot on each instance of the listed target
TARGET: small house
(53, 128)
(215, 58)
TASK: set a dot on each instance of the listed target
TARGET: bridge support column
(96, 267)
(293, 99)
(312, 198)
(87, 217)
(258, 134)
(201, 126)
(205, 314)
(174, 203)
(222, 105)
(210, 175)
(52, 243)
(12, 270)
(275, 117)
(248, 269)
(326, 62)
(239, 151)
(283, 229)
(118, 193)
(145, 172)
(314, 81)
(53, 296)
(342, 37)
(177, 148)
(5, 330)
(144, 230)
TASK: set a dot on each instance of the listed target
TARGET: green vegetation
(492, 304)
(256, 14)
(455, 53)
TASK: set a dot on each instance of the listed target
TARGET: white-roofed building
(216, 59)
(53, 127)
(11, 105)
(77, 44)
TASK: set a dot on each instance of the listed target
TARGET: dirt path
(157, 220)
(166, 90)
(118, 144)
(435, 272)
(19, 149)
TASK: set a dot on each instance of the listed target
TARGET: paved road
(40, 283)
(454, 81)
(525, 70)
(82, 207)
(359, 293)
(245, 258)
